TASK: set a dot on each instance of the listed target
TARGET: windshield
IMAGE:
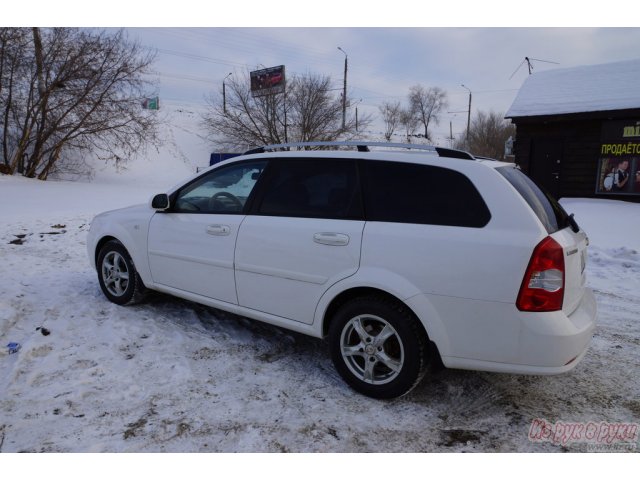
(545, 206)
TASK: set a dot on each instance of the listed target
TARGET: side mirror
(160, 201)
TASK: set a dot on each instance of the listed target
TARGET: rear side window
(424, 194)
(546, 208)
(315, 188)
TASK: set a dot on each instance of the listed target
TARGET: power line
(193, 56)
(193, 78)
(251, 43)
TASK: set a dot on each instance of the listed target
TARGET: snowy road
(173, 376)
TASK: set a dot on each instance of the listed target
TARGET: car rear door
(303, 236)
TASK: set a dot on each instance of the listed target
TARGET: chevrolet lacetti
(404, 256)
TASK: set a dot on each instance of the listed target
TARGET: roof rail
(363, 146)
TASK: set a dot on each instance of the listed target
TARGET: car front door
(302, 236)
(191, 246)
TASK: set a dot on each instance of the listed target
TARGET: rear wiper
(573, 224)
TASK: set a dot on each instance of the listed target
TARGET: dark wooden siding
(580, 134)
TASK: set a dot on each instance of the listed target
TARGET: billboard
(619, 162)
(267, 81)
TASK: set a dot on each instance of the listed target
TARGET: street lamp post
(468, 114)
(224, 94)
(344, 90)
(286, 136)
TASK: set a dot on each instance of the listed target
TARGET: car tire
(378, 346)
(117, 275)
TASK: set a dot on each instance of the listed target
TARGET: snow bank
(609, 223)
(184, 149)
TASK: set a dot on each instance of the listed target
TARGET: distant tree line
(487, 133)
(65, 92)
(310, 110)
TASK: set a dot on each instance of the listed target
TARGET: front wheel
(117, 275)
(378, 347)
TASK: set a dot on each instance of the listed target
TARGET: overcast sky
(383, 62)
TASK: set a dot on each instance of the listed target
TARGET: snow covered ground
(172, 376)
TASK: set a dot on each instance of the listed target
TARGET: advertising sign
(619, 162)
(267, 81)
(151, 103)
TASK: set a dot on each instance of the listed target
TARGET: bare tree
(245, 120)
(72, 91)
(409, 122)
(14, 77)
(391, 115)
(427, 104)
(487, 135)
(306, 111)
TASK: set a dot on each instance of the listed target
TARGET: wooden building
(578, 130)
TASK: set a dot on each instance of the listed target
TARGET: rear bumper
(558, 343)
(471, 364)
(546, 343)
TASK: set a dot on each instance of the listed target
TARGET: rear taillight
(542, 288)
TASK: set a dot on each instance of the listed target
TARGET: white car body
(461, 283)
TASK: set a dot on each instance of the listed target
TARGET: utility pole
(224, 95)
(344, 90)
(358, 102)
(468, 115)
(286, 137)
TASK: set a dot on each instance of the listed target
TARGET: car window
(315, 188)
(547, 209)
(223, 190)
(424, 194)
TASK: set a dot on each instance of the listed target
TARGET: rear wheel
(378, 347)
(117, 275)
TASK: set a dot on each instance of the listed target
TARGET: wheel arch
(355, 292)
(347, 295)
(132, 240)
(135, 289)
(101, 243)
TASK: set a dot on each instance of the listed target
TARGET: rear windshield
(547, 208)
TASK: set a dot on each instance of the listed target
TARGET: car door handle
(218, 229)
(330, 238)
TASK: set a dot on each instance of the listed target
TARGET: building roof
(591, 88)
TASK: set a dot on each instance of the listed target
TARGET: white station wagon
(403, 255)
